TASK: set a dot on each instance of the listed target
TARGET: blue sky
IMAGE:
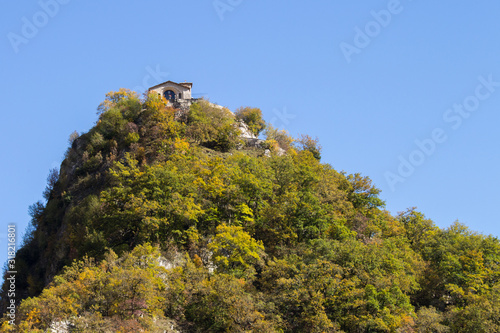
(404, 92)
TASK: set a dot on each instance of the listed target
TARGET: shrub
(212, 126)
(253, 118)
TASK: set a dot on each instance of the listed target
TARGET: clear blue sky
(367, 96)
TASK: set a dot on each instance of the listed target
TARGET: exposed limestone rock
(246, 133)
(60, 327)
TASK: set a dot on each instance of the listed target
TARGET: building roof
(186, 84)
(183, 84)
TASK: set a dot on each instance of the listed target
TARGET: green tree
(430, 320)
(253, 118)
(363, 194)
(305, 142)
(117, 98)
(276, 138)
(235, 251)
(212, 126)
(419, 230)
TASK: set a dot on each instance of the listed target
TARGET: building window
(169, 95)
(180, 96)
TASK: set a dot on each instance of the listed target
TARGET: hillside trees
(258, 242)
(461, 275)
(117, 292)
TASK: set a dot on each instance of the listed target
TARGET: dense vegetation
(166, 220)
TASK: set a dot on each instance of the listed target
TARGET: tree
(115, 98)
(212, 126)
(363, 194)
(253, 118)
(419, 230)
(222, 304)
(429, 320)
(52, 179)
(276, 138)
(235, 251)
(305, 142)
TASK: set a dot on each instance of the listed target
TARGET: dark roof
(183, 84)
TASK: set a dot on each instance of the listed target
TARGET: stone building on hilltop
(178, 95)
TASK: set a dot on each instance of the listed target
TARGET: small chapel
(178, 95)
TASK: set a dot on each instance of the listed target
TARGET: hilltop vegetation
(166, 220)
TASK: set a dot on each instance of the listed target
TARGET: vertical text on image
(11, 273)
